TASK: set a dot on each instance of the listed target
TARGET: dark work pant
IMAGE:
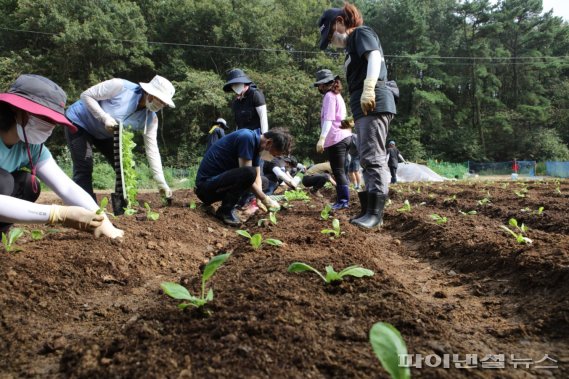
(227, 187)
(315, 181)
(337, 156)
(81, 147)
(17, 184)
(393, 171)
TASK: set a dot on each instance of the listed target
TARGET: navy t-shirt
(361, 41)
(224, 154)
(246, 116)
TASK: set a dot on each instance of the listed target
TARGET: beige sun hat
(161, 88)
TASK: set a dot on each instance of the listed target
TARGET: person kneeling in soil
(29, 112)
(278, 171)
(230, 168)
(317, 176)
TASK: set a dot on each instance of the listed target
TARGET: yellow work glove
(271, 204)
(320, 145)
(107, 229)
(367, 101)
(75, 217)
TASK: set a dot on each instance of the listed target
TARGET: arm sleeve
(13, 210)
(262, 112)
(373, 64)
(400, 157)
(102, 91)
(326, 126)
(280, 173)
(153, 153)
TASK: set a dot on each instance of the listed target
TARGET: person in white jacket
(29, 112)
(100, 110)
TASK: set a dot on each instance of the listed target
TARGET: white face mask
(154, 105)
(238, 88)
(339, 40)
(37, 130)
(267, 156)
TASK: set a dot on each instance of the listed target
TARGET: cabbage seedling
(484, 201)
(520, 238)
(179, 292)
(36, 234)
(325, 213)
(406, 207)
(451, 199)
(388, 346)
(9, 240)
(103, 206)
(438, 219)
(335, 232)
(256, 240)
(331, 275)
(272, 218)
(150, 214)
(295, 195)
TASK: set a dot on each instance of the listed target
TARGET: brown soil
(73, 306)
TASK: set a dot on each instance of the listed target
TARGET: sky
(560, 8)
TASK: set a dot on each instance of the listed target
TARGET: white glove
(107, 229)
(320, 145)
(166, 192)
(367, 101)
(110, 124)
(75, 217)
(272, 205)
(301, 167)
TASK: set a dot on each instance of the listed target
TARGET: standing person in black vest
(393, 159)
(371, 102)
(216, 132)
(250, 111)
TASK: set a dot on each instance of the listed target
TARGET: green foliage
(129, 168)
(103, 205)
(521, 230)
(325, 213)
(150, 214)
(335, 231)
(9, 240)
(331, 275)
(438, 219)
(388, 346)
(406, 207)
(179, 292)
(256, 240)
(296, 195)
(272, 219)
(36, 234)
(468, 213)
(448, 170)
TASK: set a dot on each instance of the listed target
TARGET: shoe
(251, 208)
(228, 216)
(316, 193)
(343, 194)
(374, 214)
(363, 204)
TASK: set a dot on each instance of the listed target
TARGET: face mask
(238, 88)
(37, 130)
(339, 40)
(153, 106)
(267, 156)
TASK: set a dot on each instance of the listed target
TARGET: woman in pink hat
(29, 112)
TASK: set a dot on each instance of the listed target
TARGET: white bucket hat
(161, 88)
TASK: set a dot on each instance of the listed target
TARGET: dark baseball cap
(325, 23)
(40, 96)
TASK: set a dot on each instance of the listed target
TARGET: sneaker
(228, 217)
(316, 193)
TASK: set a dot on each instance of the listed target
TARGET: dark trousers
(17, 184)
(315, 181)
(393, 171)
(81, 147)
(227, 187)
(337, 156)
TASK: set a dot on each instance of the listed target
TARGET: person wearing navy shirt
(230, 168)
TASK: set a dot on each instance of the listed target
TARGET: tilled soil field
(73, 306)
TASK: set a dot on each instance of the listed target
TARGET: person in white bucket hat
(98, 113)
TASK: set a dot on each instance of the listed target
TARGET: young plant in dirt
(9, 240)
(388, 346)
(335, 231)
(192, 205)
(520, 238)
(130, 177)
(485, 201)
(265, 221)
(451, 199)
(256, 240)
(331, 275)
(179, 292)
(468, 213)
(150, 214)
(438, 219)
(325, 213)
(103, 206)
(406, 207)
(520, 193)
(36, 234)
(296, 195)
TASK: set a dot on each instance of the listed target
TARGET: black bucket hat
(325, 23)
(325, 76)
(235, 76)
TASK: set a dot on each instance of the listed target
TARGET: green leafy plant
(103, 205)
(484, 201)
(192, 205)
(150, 214)
(9, 240)
(256, 240)
(540, 211)
(36, 234)
(179, 292)
(265, 221)
(388, 346)
(468, 213)
(520, 238)
(130, 177)
(520, 193)
(438, 219)
(335, 231)
(406, 207)
(331, 275)
(325, 213)
(451, 199)
(296, 195)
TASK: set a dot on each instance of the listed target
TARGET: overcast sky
(560, 7)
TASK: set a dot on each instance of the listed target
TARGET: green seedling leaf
(388, 346)
(151, 215)
(325, 213)
(256, 240)
(273, 242)
(296, 195)
(9, 240)
(36, 234)
(192, 205)
(406, 207)
(129, 211)
(213, 265)
(332, 275)
(209, 296)
(540, 211)
(244, 233)
(103, 206)
(356, 271)
(301, 267)
(273, 217)
(176, 291)
(439, 220)
(513, 222)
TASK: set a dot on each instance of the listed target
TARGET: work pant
(17, 184)
(316, 181)
(227, 187)
(337, 156)
(393, 171)
(372, 133)
(81, 147)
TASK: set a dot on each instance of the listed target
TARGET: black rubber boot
(119, 203)
(363, 204)
(228, 215)
(374, 214)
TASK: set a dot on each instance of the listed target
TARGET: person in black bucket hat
(29, 112)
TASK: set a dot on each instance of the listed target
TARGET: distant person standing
(393, 159)
(354, 166)
(216, 132)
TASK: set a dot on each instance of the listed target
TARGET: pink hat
(40, 96)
